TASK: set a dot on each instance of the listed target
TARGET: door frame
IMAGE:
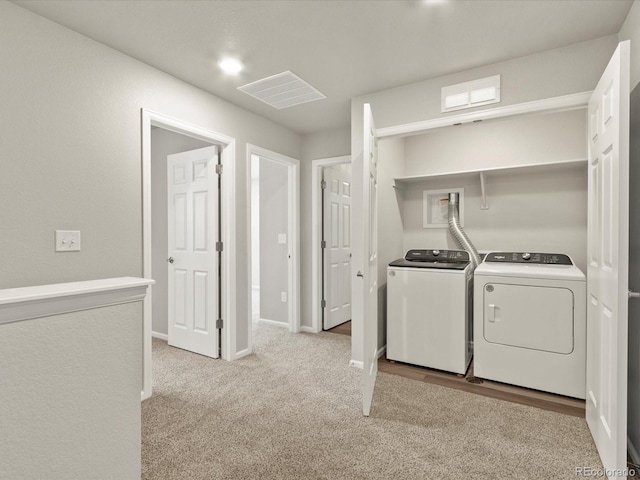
(316, 238)
(293, 235)
(150, 119)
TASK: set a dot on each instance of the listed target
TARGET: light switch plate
(67, 240)
(282, 238)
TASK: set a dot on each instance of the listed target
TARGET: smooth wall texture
(70, 144)
(521, 140)
(572, 69)
(163, 143)
(70, 402)
(332, 143)
(391, 153)
(541, 210)
(274, 219)
(631, 31)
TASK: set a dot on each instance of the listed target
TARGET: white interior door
(193, 260)
(369, 259)
(607, 279)
(337, 254)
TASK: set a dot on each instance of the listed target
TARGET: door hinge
(219, 246)
(323, 244)
(323, 184)
(219, 324)
(323, 304)
(219, 168)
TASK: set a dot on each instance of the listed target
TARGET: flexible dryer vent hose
(457, 232)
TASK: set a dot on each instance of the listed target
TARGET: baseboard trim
(306, 329)
(356, 364)
(381, 351)
(160, 336)
(273, 322)
(633, 452)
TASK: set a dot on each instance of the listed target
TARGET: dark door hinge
(323, 304)
(323, 184)
(323, 244)
(219, 324)
(219, 168)
(219, 246)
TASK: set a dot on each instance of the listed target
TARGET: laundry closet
(523, 183)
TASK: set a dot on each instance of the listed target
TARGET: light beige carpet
(293, 411)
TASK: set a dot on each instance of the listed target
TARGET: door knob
(360, 274)
(170, 259)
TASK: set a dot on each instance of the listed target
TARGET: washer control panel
(451, 256)
(528, 257)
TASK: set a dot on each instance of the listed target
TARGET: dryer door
(539, 318)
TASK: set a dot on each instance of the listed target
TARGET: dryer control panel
(451, 256)
(527, 257)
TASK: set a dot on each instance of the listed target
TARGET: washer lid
(550, 272)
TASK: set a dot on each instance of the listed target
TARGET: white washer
(429, 295)
(530, 322)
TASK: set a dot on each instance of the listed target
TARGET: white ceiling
(344, 48)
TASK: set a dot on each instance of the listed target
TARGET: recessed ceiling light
(230, 65)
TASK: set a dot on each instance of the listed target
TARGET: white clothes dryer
(429, 295)
(530, 322)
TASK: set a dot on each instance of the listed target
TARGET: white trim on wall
(28, 303)
(316, 237)
(294, 234)
(547, 105)
(149, 119)
(160, 336)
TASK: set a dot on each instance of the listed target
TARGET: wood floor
(468, 383)
(342, 329)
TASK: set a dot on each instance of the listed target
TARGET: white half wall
(70, 395)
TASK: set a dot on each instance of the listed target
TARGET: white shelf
(403, 182)
(26, 303)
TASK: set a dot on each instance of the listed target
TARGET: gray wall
(631, 31)
(70, 402)
(572, 69)
(541, 209)
(70, 150)
(391, 164)
(522, 140)
(163, 143)
(274, 262)
(633, 420)
(332, 143)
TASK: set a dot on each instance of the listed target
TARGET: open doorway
(196, 223)
(274, 245)
(331, 244)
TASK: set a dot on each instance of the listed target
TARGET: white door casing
(337, 255)
(193, 284)
(608, 258)
(368, 274)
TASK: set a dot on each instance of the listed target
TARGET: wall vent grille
(470, 94)
(283, 90)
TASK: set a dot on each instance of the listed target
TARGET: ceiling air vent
(471, 94)
(282, 90)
